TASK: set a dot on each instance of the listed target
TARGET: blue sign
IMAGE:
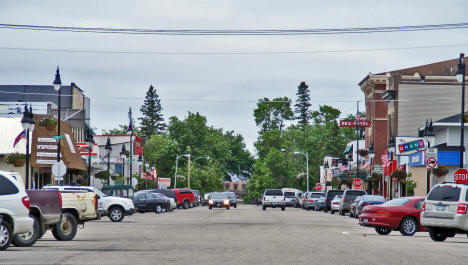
(416, 160)
(448, 158)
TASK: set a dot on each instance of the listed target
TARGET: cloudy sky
(223, 87)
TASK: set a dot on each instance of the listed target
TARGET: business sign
(84, 149)
(44, 154)
(45, 162)
(164, 183)
(46, 140)
(46, 147)
(461, 176)
(360, 123)
(409, 145)
(416, 160)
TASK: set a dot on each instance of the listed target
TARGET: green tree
(152, 121)
(272, 114)
(302, 104)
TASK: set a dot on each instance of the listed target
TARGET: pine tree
(302, 104)
(152, 121)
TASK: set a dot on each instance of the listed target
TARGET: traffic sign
(58, 170)
(357, 183)
(57, 137)
(318, 186)
(461, 176)
(431, 162)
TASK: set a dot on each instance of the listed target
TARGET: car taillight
(462, 207)
(343, 200)
(365, 204)
(60, 199)
(26, 202)
(303, 199)
(264, 198)
(382, 212)
(311, 200)
(424, 207)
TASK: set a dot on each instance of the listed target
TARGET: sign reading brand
(461, 176)
(409, 145)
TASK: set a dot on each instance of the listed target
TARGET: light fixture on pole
(130, 132)
(306, 154)
(57, 84)
(391, 150)
(27, 122)
(90, 143)
(461, 79)
(108, 149)
(176, 167)
(123, 155)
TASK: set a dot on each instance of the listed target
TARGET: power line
(230, 52)
(237, 32)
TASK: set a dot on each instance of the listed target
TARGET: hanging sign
(46, 140)
(360, 123)
(409, 145)
(46, 147)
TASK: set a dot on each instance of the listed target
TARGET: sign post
(58, 170)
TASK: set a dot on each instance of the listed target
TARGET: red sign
(431, 162)
(360, 123)
(318, 186)
(84, 149)
(357, 183)
(461, 176)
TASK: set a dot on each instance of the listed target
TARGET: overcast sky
(203, 83)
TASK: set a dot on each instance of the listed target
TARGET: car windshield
(274, 193)
(373, 198)
(100, 193)
(230, 195)
(397, 202)
(217, 196)
(315, 195)
(337, 197)
(446, 193)
(355, 192)
(289, 194)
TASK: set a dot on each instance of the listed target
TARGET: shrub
(11, 158)
(48, 121)
(440, 171)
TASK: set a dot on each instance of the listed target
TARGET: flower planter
(50, 127)
(19, 163)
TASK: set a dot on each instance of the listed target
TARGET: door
(140, 202)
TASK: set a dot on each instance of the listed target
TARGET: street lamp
(27, 122)
(108, 149)
(146, 178)
(130, 132)
(306, 154)
(57, 84)
(391, 149)
(371, 155)
(461, 79)
(140, 163)
(90, 143)
(429, 136)
(123, 155)
(176, 166)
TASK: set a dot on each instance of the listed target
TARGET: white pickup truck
(273, 198)
(115, 208)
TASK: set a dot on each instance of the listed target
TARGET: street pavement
(246, 235)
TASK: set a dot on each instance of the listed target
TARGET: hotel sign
(360, 123)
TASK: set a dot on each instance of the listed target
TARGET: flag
(366, 164)
(385, 158)
(343, 168)
(20, 136)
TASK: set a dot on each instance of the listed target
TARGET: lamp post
(130, 132)
(176, 166)
(140, 163)
(371, 155)
(57, 84)
(429, 136)
(27, 122)
(123, 155)
(391, 149)
(146, 178)
(461, 78)
(325, 167)
(90, 143)
(108, 149)
(306, 154)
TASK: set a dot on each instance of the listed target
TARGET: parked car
(320, 203)
(329, 197)
(185, 198)
(367, 200)
(353, 207)
(206, 197)
(219, 200)
(149, 201)
(312, 199)
(348, 197)
(335, 204)
(232, 198)
(445, 211)
(170, 194)
(14, 210)
(303, 199)
(116, 208)
(289, 195)
(297, 199)
(398, 214)
(197, 198)
(273, 198)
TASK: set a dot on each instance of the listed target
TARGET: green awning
(348, 149)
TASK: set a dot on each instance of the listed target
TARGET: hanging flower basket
(465, 117)
(441, 171)
(17, 159)
(19, 163)
(363, 152)
(399, 174)
(49, 123)
(376, 177)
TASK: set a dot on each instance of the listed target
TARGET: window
(7, 187)
(141, 196)
(244, 186)
(150, 195)
(227, 185)
(273, 193)
(446, 193)
(235, 186)
(118, 168)
(419, 204)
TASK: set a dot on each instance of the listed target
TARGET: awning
(349, 149)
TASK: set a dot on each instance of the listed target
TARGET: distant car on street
(149, 201)
(320, 203)
(185, 198)
(348, 197)
(297, 199)
(219, 200)
(312, 199)
(197, 198)
(232, 198)
(329, 196)
(289, 196)
(367, 200)
(335, 204)
(353, 206)
(273, 198)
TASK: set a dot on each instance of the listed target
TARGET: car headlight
(210, 202)
(226, 201)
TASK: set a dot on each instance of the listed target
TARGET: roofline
(137, 138)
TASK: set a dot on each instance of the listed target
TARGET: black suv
(329, 197)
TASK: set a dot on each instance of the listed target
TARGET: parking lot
(246, 235)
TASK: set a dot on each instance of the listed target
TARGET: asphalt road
(246, 235)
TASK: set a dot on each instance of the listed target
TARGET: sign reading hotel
(409, 145)
(361, 122)
(84, 149)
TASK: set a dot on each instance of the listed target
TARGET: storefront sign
(164, 183)
(46, 147)
(46, 140)
(416, 160)
(45, 162)
(43, 154)
(409, 145)
(84, 149)
(360, 123)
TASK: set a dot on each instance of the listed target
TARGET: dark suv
(349, 196)
(329, 197)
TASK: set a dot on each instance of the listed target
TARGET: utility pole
(188, 171)
(358, 134)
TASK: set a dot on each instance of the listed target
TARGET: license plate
(440, 207)
(219, 205)
(365, 220)
(274, 203)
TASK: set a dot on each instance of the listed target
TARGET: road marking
(346, 233)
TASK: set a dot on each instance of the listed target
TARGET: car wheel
(29, 238)
(186, 205)
(209, 207)
(342, 213)
(158, 209)
(382, 230)
(5, 235)
(264, 208)
(116, 214)
(235, 205)
(227, 207)
(408, 226)
(66, 229)
(332, 212)
(437, 234)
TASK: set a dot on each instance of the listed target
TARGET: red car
(185, 198)
(398, 214)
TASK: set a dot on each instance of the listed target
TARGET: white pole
(175, 175)
(307, 167)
